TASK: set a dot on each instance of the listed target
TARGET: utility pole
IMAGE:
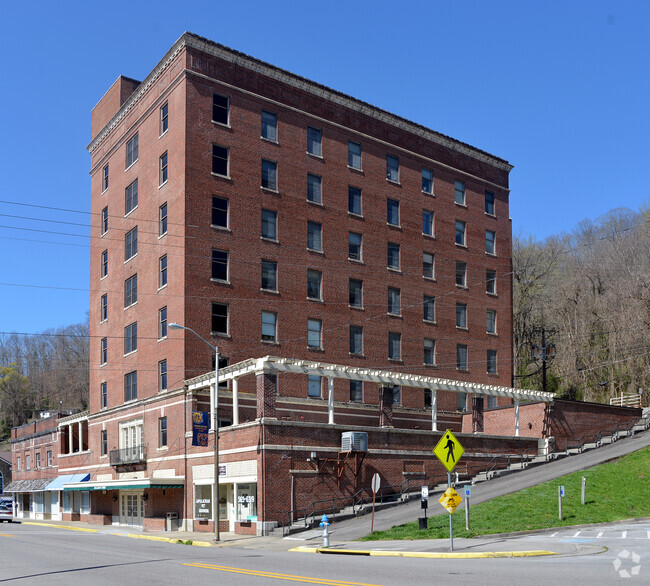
(545, 352)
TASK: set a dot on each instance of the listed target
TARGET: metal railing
(130, 455)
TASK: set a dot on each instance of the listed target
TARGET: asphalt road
(46, 555)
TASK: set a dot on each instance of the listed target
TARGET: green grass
(616, 490)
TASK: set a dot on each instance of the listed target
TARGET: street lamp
(214, 409)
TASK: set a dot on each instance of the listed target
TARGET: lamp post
(214, 409)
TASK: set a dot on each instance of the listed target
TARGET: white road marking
(648, 534)
(554, 534)
(599, 535)
(624, 535)
(577, 533)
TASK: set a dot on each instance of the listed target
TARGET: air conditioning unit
(354, 441)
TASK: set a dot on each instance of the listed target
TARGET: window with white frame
(269, 175)
(131, 438)
(132, 151)
(220, 160)
(162, 219)
(461, 315)
(131, 338)
(270, 225)
(392, 212)
(269, 326)
(394, 301)
(354, 200)
(103, 440)
(314, 333)
(220, 109)
(429, 305)
(162, 271)
(162, 323)
(162, 375)
(104, 220)
(491, 282)
(461, 356)
(491, 326)
(356, 293)
(314, 284)
(356, 340)
(314, 188)
(354, 246)
(219, 318)
(105, 177)
(429, 352)
(103, 271)
(428, 260)
(314, 236)
(269, 126)
(393, 256)
(394, 346)
(392, 168)
(130, 290)
(131, 197)
(460, 232)
(38, 460)
(490, 237)
(269, 275)
(103, 307)
(164, 118)
(461, 274)
(103, 351)
(354, 155)
(162, 432)
(427, 222)
(427, 181)
(163, 169)
(103, 395)
(220, 265)
(131, 243)
(49, 458)
(131, 386)
(314, 141)
(459, 192)
(219, 212)
(489, 203)
(314, 386)
(492, 361)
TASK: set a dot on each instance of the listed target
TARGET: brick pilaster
(266, 391)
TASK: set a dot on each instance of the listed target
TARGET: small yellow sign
(449, 450)
(450, 499)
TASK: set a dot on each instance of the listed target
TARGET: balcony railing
(130, 455)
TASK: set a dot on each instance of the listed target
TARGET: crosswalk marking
(577, 533)
(599, 534)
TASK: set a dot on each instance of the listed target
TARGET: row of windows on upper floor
(269, 131)
(28, 461)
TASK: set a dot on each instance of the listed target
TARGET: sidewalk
(311, 542)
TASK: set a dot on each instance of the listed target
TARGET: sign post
(375, 487)
(584, 486)
(449, 450)
(560, 496)
(468, 493)
(424, 503)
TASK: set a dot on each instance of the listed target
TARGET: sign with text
(200, 428)
(203, 508)
(449, 450)
(450, 499)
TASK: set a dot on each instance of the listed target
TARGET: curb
(426, 554)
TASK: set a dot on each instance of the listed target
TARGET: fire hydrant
(325, 523)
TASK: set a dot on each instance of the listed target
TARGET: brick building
(276, 217)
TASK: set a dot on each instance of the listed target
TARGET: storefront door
(131, 508)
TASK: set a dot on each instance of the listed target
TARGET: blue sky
(560, 89)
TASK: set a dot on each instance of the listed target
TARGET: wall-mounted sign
(203, 508)
(200, 428)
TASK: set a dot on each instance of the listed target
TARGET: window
(104, 265)
(131, 243)
(489, 203)
(461, 401)
(459, 192)
(314, 333)
(105, 178)
(162, 375)
(427, 181)
(429, 305)
(461, 274)
(131, 197)
(162, 271)
(103, 396)
(491, 282)
(491, 326)
(393, 301)
(103, 351)
(130, 290)
(356, 293)
(460, 232)
(394, 346)
(491, 402)
(219, 212)
(392, 168)
(162, 323)
(461, 315)
(492, 361)
(164, 119)
(354, 246)
(220, 109)
(38, 460)
(354, 200)
(314, 236)
(269, 175)
(397, 395)
(354, 155)
(49, 458)
(269, 326)
(103, 307)
(162, 432)
(220, 265)
(427, 223)
(162, 219)
(269, 126)
(132, 151)
(314, 284)
(356, 340)
(219, 318)
(269, 224)
(427, 265)
(461, 356)
(429, 352)
(220, 155)
(392, 212)
(428, 399)
(104, 220)
(356, 391)
(162, 169)
(131, 386)
(314, 385)
(314, 188)
(27, 461)
(314, 141)
(103, 434)
(131, 338)
(490, 237)
(18, 462)
(393, 256)
(269, 275)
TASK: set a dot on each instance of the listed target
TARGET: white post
(434, 410)
(235, 401)
(517, 417)
(330, 400)
(70, 438)
(212, 394)
(81, 437)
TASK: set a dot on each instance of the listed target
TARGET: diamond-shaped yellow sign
(450, 499)
(449, 450)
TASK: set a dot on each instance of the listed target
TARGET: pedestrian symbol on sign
(449, 446)
(448, 450)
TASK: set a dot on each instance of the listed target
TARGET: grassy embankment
(615, 490)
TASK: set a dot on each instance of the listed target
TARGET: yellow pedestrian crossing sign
(449, 450)
(450, 499)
